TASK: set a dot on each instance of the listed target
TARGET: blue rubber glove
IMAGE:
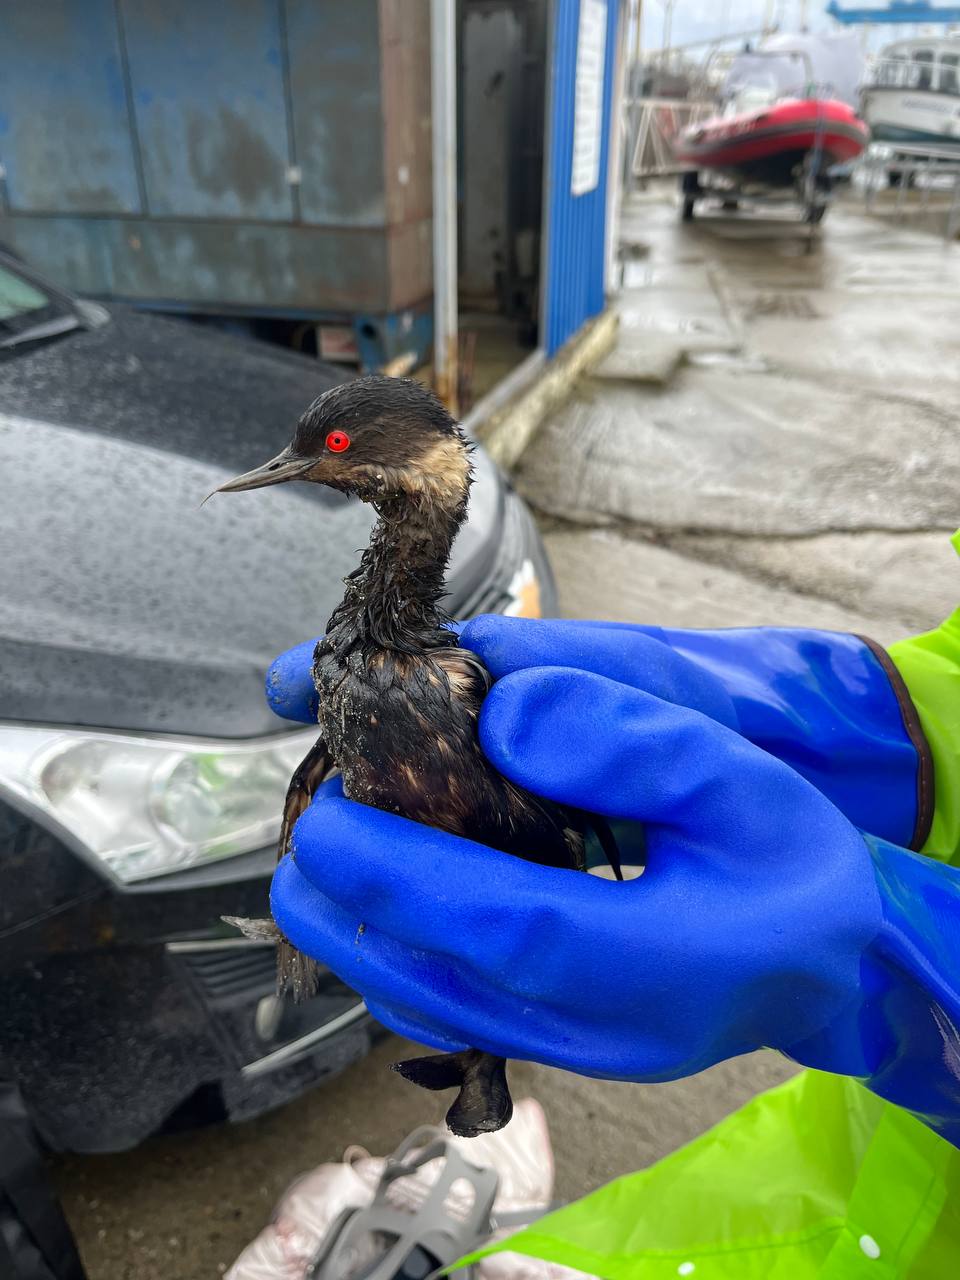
(830, 705)
(763, 916)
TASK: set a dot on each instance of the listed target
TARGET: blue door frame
(576, 224)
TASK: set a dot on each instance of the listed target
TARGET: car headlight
(144, 807)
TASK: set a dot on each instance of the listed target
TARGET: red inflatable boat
(771, 145)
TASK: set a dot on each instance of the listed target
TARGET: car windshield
(28, 313)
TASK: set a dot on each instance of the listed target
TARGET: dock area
(773, 437)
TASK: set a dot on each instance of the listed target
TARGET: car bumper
(109, 1047)
(521, 582)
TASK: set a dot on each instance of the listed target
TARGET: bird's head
(378, 438)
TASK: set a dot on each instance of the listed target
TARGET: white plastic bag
(521, 1154)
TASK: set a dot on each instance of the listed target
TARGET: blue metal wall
(576, 225)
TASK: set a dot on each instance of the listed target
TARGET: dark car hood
(122, 603)
(171, 384)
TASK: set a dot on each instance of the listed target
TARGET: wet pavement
(781, 405)
(773, 440)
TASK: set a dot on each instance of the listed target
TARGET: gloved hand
(762, 918)
(830, 705)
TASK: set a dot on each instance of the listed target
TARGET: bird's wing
(295, 971)
(309, 773)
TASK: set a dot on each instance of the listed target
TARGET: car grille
(240, 971)
(237, 982)
(224, 974)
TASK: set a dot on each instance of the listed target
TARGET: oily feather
(404, 729)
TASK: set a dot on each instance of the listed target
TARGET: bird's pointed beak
(285, 466)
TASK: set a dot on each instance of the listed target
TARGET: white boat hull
(913, 116)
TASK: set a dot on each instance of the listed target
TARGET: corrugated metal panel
(65, 137)
(576, 223)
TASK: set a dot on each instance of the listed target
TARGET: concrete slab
(822, 391)
(697, 317)
(820, 395)
(755, 453)
(656, 274)
(653, 357)
(910, 580)
(647, 583)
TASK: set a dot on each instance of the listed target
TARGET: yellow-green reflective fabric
(930, 666)
(817, 1178)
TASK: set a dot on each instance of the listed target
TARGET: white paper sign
(588, 96)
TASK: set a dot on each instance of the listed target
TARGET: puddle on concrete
(646, 275)
(797, 306)
(931, 278)
(630, 319)
(634, 249)
(635, 275)
(734, 361)
(805, 246)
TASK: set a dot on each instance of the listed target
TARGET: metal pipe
(443, 79)
(951, 228)
(667, 37)
(615, 158)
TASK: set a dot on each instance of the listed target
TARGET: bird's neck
(393, 598)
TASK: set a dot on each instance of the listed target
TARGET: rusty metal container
(261, 157)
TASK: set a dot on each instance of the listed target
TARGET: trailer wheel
(689, 188)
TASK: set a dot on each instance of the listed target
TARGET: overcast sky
(701, 19)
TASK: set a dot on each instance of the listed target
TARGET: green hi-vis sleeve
(930, 667)
(815, 1180)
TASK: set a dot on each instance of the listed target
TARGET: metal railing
(926, 171)
(904, 73)
(651, 126)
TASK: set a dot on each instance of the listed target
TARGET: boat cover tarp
(836, 61)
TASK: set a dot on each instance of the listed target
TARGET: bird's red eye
(338, 441)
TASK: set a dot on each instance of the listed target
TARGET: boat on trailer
(772, 145)
(767, 142)
(911, 93)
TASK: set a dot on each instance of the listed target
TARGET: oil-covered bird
(398, 698)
